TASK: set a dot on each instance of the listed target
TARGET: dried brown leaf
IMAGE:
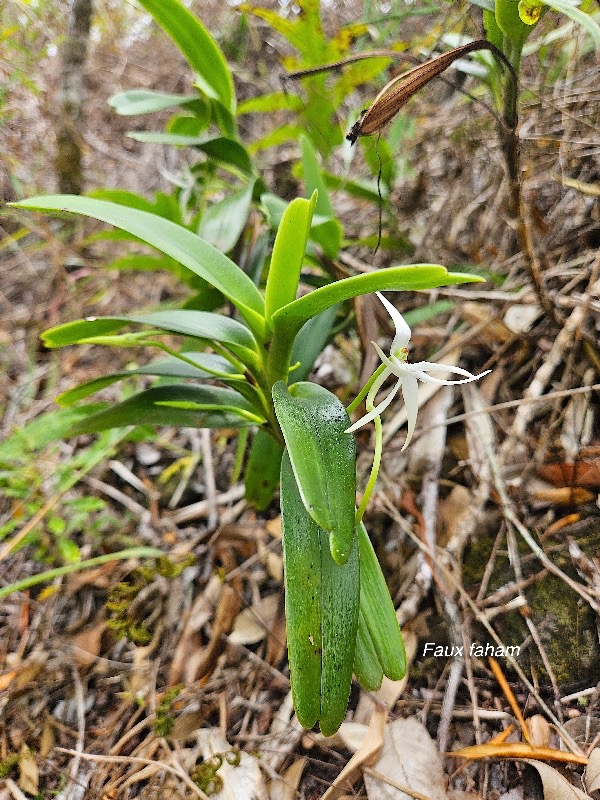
(365, 755)
(253, 624)
(554, 785)
(29, 775)
(592, 773)
(87, 644)
(410, 762)
(286, 787)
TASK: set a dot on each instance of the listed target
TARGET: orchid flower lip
(407, 375)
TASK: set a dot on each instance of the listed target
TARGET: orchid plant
(242, 363)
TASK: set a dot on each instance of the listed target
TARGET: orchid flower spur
(408, 375)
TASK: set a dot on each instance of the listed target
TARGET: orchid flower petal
(376, 411)
(439, 382)
(432, 366)
(403, 334)
(410, 392)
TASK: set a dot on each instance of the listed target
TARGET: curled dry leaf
(364, 756)
(286, 787)
(592, 773)
(409, 759)
(253, 624)
(539, 731)
(554, 785)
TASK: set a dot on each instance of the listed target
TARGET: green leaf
(145, 101)
(262, 470)
(340, 590)
(288, 255)
(310, 341)
(313, 179)
(199, 324)
(323, 458)
(378, 611)
(152, 407)
(321, 602)
(222, 223)
(327, 231)
(221, 149)
(367, 668)
(281, 135)
(274, 101)
(171, 367)
(289, 319)
(177, 242)
(198, 47)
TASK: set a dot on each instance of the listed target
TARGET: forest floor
(488, 527)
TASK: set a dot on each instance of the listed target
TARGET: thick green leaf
(262, 470)
(180, 406)
(175, 241)
(303, 612)
(146, 101)
(222, 223)
(198, 46)
(378, 611)
(323, 458)
(199, 324)
(340, 591)
(170, 367)
(322, 603)
(288, 254)
(367, 668)
(289, 319)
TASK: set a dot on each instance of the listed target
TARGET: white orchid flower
(408, 375)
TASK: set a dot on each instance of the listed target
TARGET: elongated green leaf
(303, 613)
(198, 407)
(200, 324)
(222, 223)
(288, 254)
(175, 241)
(313, 422)
(171, 367)
(313, 178)
(262, 470)
(274, 101)
(322, 604)
(146, 101)
(340, 599)
(289, 319)
(378, 611)
(198, 46)
(367, 668)
(328, 232)
(221, 149)
(310, 341)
